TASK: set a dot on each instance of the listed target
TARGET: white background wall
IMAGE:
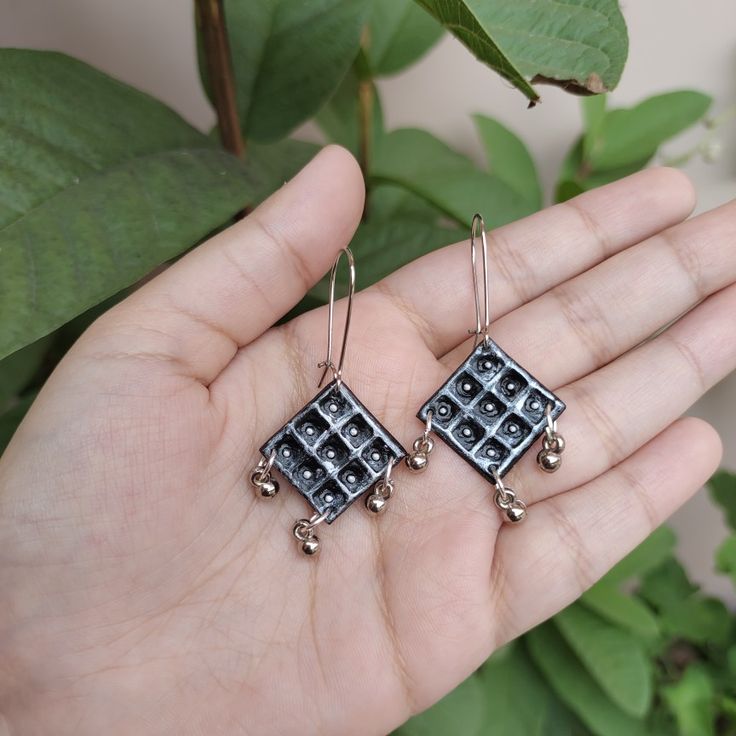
(674, 44)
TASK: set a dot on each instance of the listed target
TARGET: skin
(145, 589)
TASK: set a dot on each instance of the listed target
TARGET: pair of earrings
(490, 412)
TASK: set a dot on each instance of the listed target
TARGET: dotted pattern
(333, 450)
(491, 410)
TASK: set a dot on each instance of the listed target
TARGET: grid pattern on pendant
(333, 450)
(491, 410)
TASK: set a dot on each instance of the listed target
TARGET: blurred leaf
(507, 674)
(338, 119)
(579, 45)
(614, 657)
(384, 246)
(17, 370)
(399, 33)
(666, 586)
(726, 556)
(628, 135)
(698, 619)
(108, 231)
(594, 112)
(270, 165)
(621, 609)
(388, 201)
(574, 685)
(651, 553)
(62, 121)
(460, 712)
(509, 159)
(577, 177)
(428, 167)
(691, 701)
(288, 58)
(12, 417)
(723, 491)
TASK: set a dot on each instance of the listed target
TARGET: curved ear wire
(478, 223)
(327, 363)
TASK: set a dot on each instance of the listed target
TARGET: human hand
(144, 589)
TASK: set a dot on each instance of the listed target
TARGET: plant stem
(211, 20)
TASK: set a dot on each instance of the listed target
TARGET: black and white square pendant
(333, 450)
(490, 411)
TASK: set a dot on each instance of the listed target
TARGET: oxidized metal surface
(333, 450)
(491, 410)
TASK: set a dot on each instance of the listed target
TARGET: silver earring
(491, 410)
(333, 450)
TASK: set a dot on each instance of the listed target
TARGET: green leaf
(428, 167)
(507, 674)
(509, 159)
(666, 586)
(615, 658)
(580, 45)
(271, 165)
(339, 118)
(17, 370)
(460, 712)
(108, 231)
(700, 620)
(12, 417)
(61, 121)
(626, 136)
(726, 556)
(692, 702)
(399, 33)
(288, 58)
(574, 685)
(723, 491)
(621, 610)
(651, 553)
(389, 201)
(594, 112)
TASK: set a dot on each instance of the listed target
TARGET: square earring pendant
(491, 410)
(333, 450)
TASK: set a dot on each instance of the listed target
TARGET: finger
(584, 323)
(228, 291)
(615, 410)
(570, 541)
(532, 255)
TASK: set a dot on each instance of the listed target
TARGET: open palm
(145, 588)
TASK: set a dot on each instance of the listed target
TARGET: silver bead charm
(375, 504)
(506, 500)
(303, 532)
(549, 458)
(262, 480)
(310, 547)
(418, 460)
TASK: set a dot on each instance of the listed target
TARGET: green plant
(101, 184)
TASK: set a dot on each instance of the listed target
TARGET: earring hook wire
(480, 331)
(328, 363)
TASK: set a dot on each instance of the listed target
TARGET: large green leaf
(614, 657)
(507, 674)
(574, 685)
(339, 118)
(399, 32)
(692, 702)
(699, 619)
(509, 159)
(666, 586)
(12, 417)
(460, 712)
(428, 167)
(628, 135)
(651, 553)
(622, 610)
(61, 120)
(723, 490)
(106, 232)
(580, 45)
(288, 58)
